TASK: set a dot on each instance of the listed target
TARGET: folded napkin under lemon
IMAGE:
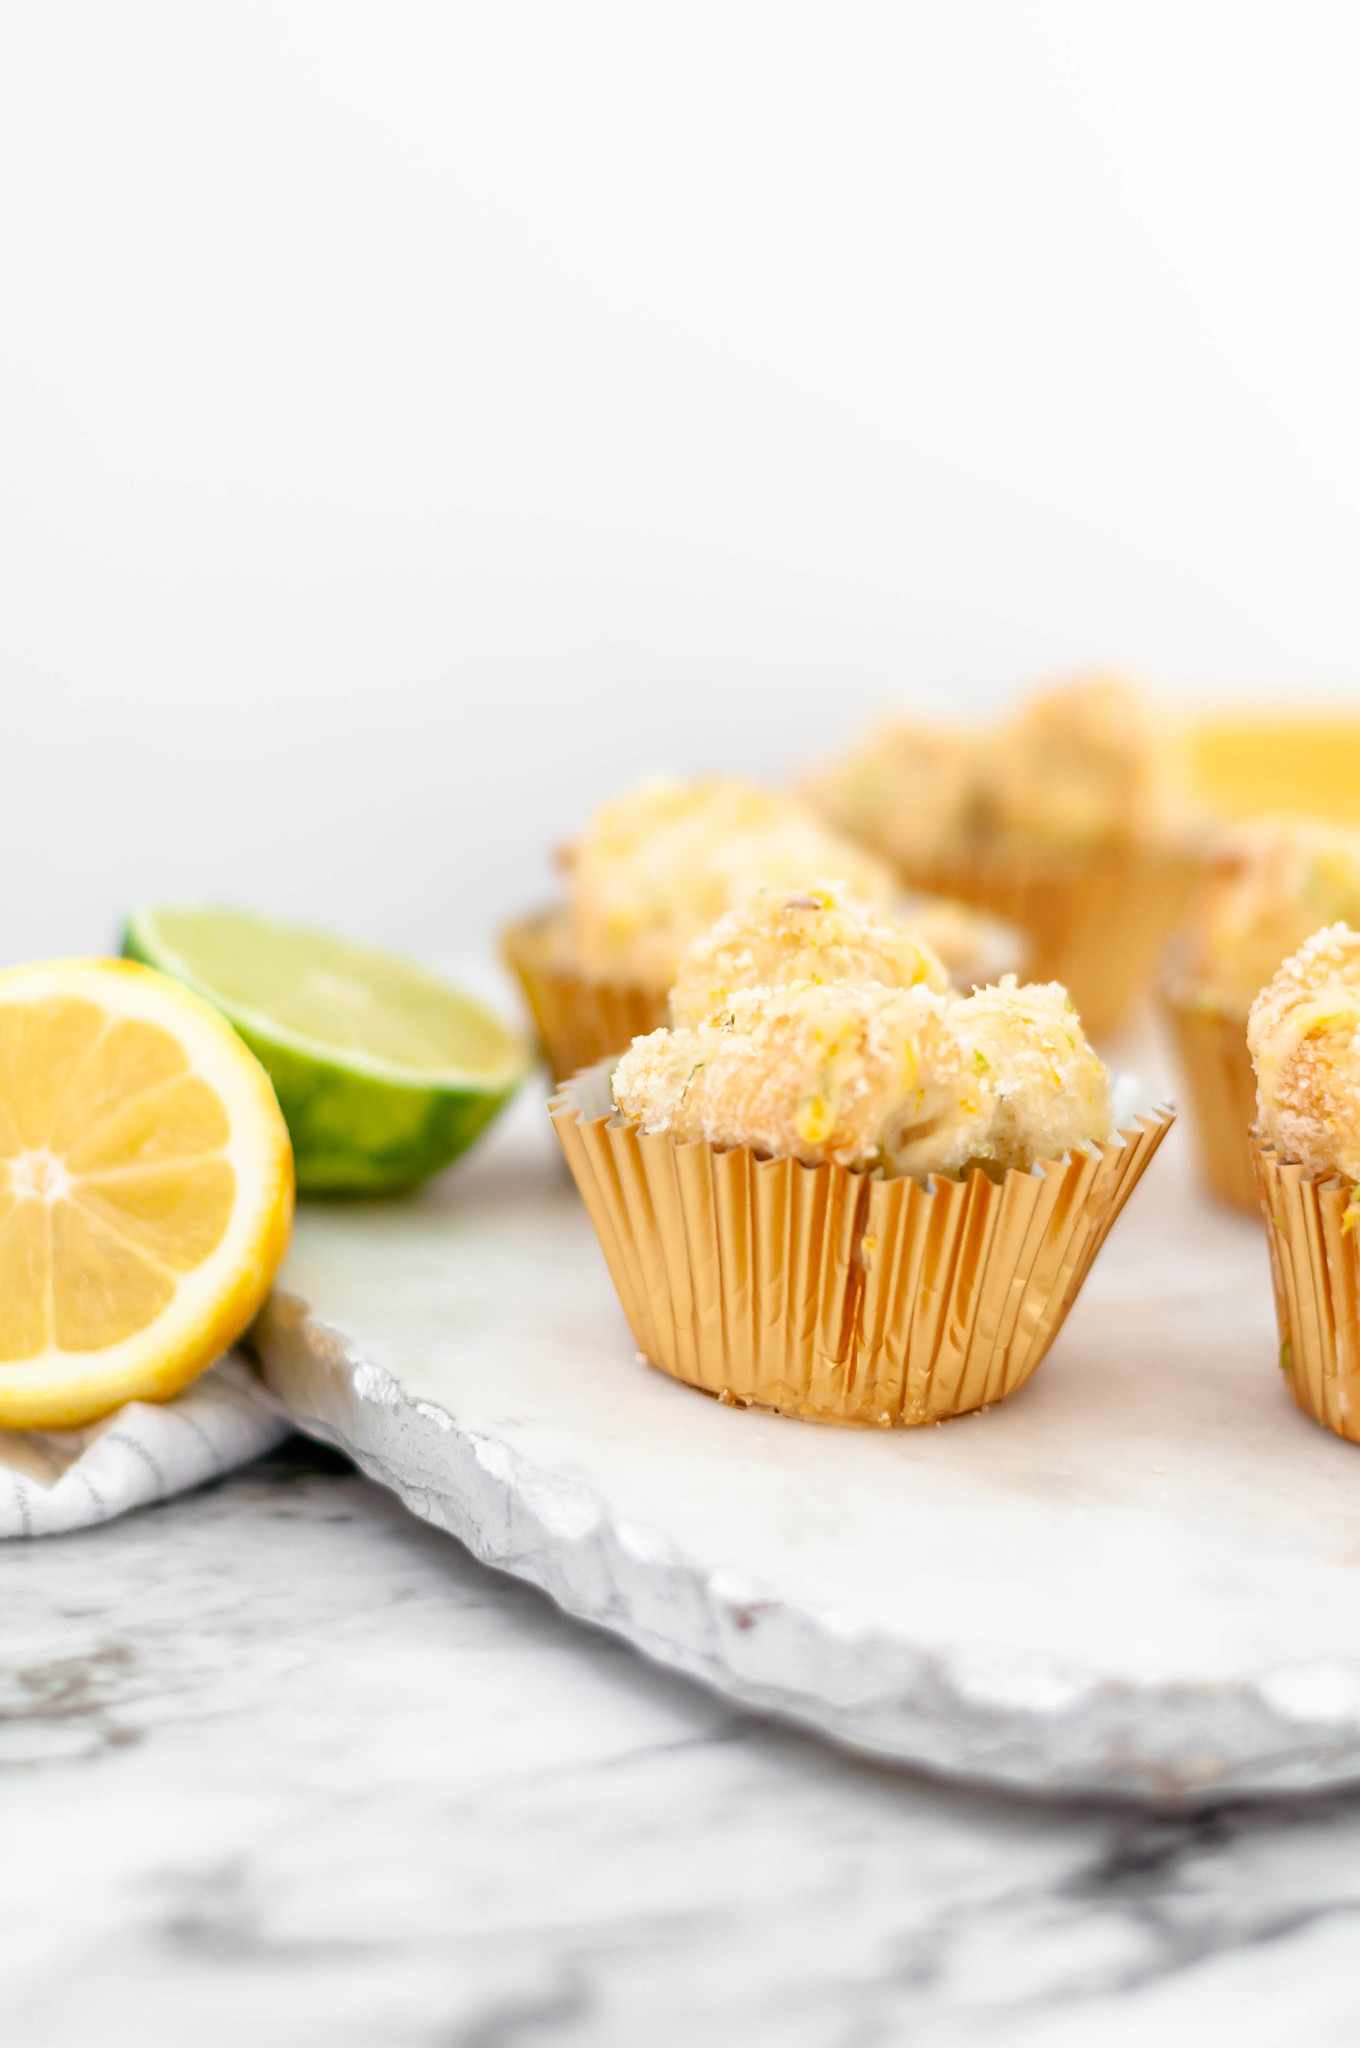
(52, 1481)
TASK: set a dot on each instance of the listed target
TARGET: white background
(417, 418)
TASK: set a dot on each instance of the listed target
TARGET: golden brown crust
(1304, 1038)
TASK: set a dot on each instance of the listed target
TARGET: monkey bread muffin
(814, 934)
(855, 1073)
(656, 867)
(1268, 883)
(845, 1191)
(898, 1080)
(660, 863)
(1067, 819)
(1304, 1038)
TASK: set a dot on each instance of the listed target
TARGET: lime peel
(384, 1074)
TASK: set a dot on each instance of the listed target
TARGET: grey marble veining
(1139, 1575)
(280, 1765)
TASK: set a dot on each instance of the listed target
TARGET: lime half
(383, 1074)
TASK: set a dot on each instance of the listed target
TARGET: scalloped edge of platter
(993, 1717)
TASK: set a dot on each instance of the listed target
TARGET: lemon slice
(1303, 761)
(146, 1189)
(383, 1073)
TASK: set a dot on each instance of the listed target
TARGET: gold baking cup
(579, 1021)
(1095, 920)
(1212, 1050)
(1315, 1265)
(835, 1295)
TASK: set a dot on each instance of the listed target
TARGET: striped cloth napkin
(55, 1480)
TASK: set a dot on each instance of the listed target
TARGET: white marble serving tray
(1140, 1575)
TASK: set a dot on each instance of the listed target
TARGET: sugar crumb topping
(1304, 1037)
(1269, 883)
(1088, 763)
(805, 1031)
(658, 864)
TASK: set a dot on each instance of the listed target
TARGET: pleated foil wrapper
(838, 1296)
(579, 1021)
(1315, 1265)
(1095, 920)
(1220, 1082)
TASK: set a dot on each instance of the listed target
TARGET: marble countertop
(281, 1765)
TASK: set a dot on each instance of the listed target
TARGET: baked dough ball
(912, 791)
(1270, 883)
(902, 1081)
(815, 934)
(662, 862)
(1050, 1091)
(1304, 1037)
(1088, 764)
(1085, 764)
(855, 1073)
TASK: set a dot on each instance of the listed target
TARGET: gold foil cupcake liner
(1212, 1051)
(1095, 920)
(834, 1295)
(1315, 1266)
(579, 1021)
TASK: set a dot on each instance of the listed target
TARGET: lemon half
(146, 1189)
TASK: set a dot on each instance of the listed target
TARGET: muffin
(1068, 820)
(816, 935)
(1267, 884)
(1304, 1037)
(845, 1191)
(656, 867)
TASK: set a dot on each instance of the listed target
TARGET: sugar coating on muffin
(1270, 882)
(1087, 764)
(662, 862)
(854, 1073)
(814, 934)
(1050, 1090)
(897, 1080)
(1304, 1037)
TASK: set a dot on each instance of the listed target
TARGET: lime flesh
(384, 1074)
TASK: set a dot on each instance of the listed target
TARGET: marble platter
(1139, 1576)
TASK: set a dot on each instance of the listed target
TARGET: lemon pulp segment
(145, 1189)
(112, 1179)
